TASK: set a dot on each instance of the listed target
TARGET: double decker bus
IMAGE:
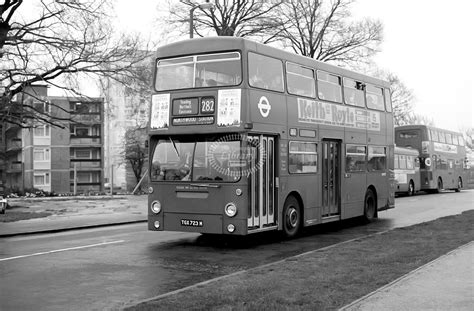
(246, 138)
(442, 155)
(407, 170)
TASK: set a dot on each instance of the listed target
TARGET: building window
(43, 130)
(41, 154)
(41, 179)
(83, 107)
(42, 107)
(303, 157)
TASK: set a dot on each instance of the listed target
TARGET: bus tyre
(370, 206)
(440, 185)
(291, 217)
(411, 188)
(458, 189)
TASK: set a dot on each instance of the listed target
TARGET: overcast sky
(427, 43)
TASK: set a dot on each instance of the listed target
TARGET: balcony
(87, 118)
(86, 141)
(94, 164)
(13, 145)
(14, 167)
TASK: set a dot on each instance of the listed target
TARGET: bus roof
(423, 126)
(211, 44)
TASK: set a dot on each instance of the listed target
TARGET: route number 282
(207, 105)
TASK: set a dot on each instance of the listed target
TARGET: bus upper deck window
(265, 72)
(353, 93)
(374, 97)
(329, 87)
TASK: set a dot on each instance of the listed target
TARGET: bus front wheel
(370, 206)
(291, 217)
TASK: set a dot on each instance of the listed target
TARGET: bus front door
(261, 211)
(331, 162)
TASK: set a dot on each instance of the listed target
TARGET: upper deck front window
(205, 70)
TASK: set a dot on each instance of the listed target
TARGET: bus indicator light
(231, 228)
(157, 224)
(238, 192)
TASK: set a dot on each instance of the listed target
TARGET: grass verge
(327, 279)
(11, 216)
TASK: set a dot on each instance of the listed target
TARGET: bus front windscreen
(205, 70)
(200, 159)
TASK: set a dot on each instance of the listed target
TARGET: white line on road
(62, 250)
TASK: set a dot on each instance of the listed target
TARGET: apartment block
(68, 158)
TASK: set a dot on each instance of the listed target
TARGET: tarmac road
(106, 268)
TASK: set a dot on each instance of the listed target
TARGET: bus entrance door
(261, 211)
(330, 174)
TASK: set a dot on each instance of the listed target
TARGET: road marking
(62, 250)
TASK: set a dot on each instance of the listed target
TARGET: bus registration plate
(191, 223)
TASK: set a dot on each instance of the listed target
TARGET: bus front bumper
(203, 223)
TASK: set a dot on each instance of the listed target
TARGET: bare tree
(135, 151)
(240, 18)
(402, 100)
(58, 44)
(325, 30)
(468, 134)
(414, 118)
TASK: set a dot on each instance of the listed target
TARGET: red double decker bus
(442, 155)
(246, 138)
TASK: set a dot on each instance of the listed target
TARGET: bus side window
(356, 158)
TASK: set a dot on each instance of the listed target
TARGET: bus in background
(407, 170)
(442, 155)
(246, 138)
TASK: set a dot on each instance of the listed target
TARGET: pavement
(446, 283)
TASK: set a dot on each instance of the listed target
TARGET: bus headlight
(156, 207)
(230, 209)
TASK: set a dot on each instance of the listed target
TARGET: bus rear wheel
(370, 206)
(291, 217)
(440, 185)
(458, 189)
(411, 188)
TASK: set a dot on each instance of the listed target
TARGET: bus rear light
(157, 224)
(230, 228)
(156, 207)
(230, 209)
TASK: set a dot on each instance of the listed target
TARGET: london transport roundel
(264, 106)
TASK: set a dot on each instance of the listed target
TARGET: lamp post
(204, 6)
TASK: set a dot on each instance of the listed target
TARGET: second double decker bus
(246, 138)
(407, 170)
(442, 155)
